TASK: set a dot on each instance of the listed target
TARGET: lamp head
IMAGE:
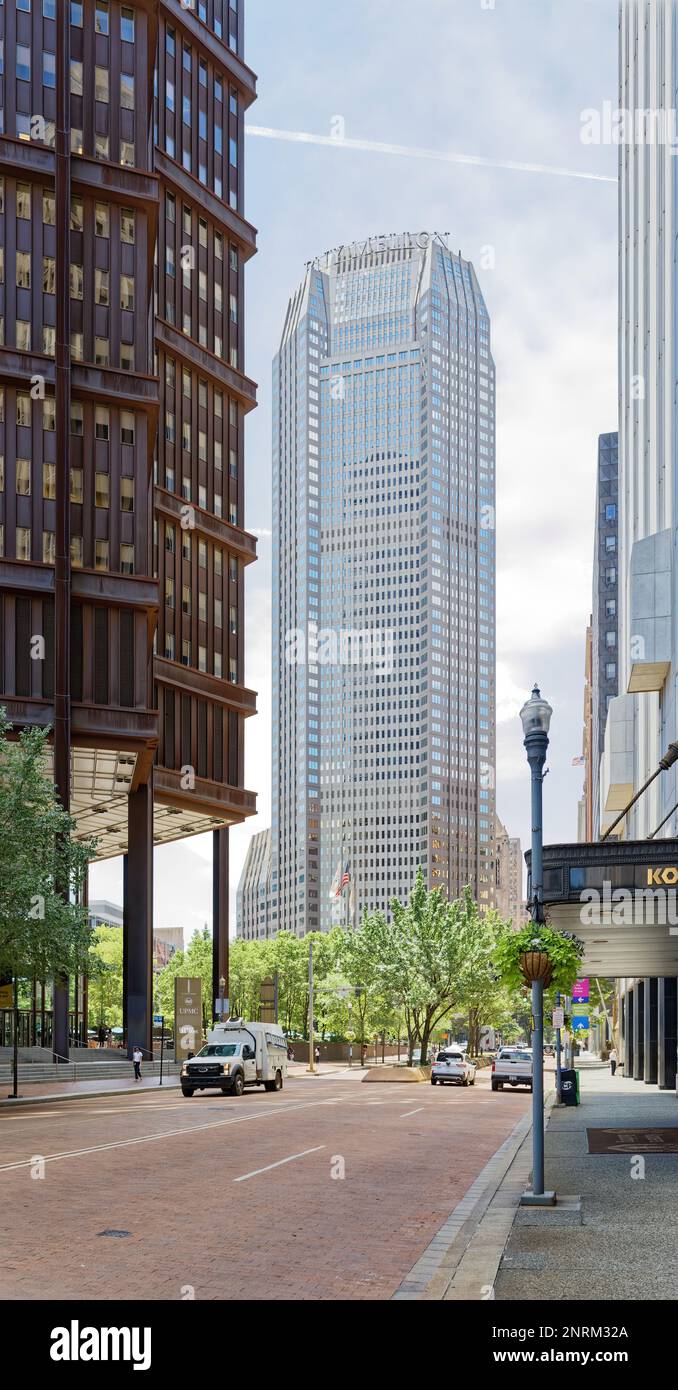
(536, 714)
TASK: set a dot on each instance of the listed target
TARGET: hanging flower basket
(536, 965)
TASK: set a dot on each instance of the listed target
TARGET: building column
(62, 569)
(138, 921)
(667, 1032)
(639, 1031)
(650, 1030)
(629, 1010)
(219, 912)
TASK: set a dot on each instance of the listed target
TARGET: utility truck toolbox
(238, 1054)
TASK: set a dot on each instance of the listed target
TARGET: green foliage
(564, 951)
(104, 996)
(44, 930)
(193, 963)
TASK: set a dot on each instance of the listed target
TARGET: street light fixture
(536, 721)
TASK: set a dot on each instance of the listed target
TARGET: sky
(504, 83)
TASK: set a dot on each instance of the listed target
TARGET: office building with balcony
(123, 395)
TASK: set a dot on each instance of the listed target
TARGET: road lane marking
(255, 1173)
(411, 1112)
(162, 1134)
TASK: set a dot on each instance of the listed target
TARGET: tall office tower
(254, 898)
(384, 578)
(123, 400)
(509, 897)
(604, 620)
(642, 718)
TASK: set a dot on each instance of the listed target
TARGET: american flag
(345, 878)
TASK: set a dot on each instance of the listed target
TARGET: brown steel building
(122, 252)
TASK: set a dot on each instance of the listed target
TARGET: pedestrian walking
(102, 1035)
(613, 1061)
(137, 1057)
(317, 1054)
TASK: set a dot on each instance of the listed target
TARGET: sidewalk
(621, 1241)
(32, 1091)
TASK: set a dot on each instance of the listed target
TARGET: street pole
(311, 1060)
(15, 1011)
(162, 1043)
(536, 718)
(558, 1064)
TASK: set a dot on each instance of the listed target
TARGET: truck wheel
(278, 1083)
(465, 1081)
(433, 1080)
(496, 1086)
(238, 1084)
(472, 1082)
(187, 1090)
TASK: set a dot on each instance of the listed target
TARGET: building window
(49, 480)
(101, 489)
(48, 547)
(76, 484)
(610, 670)
(127, 494)
(23, 477)
(127, 559)
(101, 422)
(23, 543)
(101, 555)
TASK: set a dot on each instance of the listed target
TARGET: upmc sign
(187, 1017)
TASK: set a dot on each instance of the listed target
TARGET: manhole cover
(632, 1141)
(119, 1235)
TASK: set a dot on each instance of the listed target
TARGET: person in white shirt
(137, 1057)
(613, 1061)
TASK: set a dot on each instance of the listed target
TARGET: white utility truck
(236, 1055)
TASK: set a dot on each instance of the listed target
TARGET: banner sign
(187, 1016)
(267, 1001)
(580, 992)
(558, 1018)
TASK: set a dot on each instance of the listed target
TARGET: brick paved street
(166, 1169)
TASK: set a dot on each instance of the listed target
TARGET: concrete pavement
(621, 1242)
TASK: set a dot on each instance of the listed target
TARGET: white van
(236, 1055)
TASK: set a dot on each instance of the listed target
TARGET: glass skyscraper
(384, 583)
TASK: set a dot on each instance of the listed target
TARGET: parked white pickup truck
(452, 1065)
(238, 1054)
(512, 1067)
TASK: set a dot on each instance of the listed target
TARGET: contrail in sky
(304, 137)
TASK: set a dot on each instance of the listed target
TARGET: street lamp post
(536, 719)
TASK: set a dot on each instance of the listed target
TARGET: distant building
(585, 805)
(104, 914)
(508, 875)
(383, 583)
(253, 901)
(604, 621)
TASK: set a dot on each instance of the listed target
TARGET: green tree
(44, 930)
(105, 978)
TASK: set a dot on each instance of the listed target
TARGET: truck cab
(237, 1055)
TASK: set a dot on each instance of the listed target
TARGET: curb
(23, 1101)
(462, 1260)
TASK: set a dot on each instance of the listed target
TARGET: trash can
(569, 1088)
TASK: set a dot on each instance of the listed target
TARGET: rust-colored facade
(123, 397)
